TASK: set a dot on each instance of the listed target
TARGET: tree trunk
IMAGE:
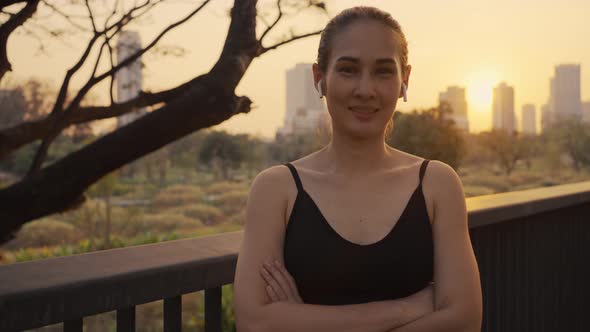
(60, 186)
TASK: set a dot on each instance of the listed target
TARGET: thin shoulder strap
(295, 176)
(423, 169)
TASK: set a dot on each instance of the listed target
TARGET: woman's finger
(271, 281)
(280, 278)
(289, 279)
(271, 293)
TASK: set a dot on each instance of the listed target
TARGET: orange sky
(473, 44)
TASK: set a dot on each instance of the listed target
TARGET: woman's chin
(365, 132)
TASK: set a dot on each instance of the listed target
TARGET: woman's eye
(385, 71)
(347, 70)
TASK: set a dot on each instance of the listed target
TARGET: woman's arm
(457, 288)
(263, 238)
(281, 287)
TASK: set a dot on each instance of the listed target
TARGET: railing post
(173, 314)
(74, 325)
(126, 320)
(213, 309)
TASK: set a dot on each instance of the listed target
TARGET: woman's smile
(363, 113)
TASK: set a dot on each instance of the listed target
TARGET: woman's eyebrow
(348, 58)
(356, 60)
(385, 61)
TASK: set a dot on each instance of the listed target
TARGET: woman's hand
(422, 302)
(280, 285)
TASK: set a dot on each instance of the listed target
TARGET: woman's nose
(365, 87)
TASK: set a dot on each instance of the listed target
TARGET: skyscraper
(586, 112)
(565, 96)
(529, 121)
(129, 79)
(546, 119)
(305, 110)
(455, 97)
(503, 108)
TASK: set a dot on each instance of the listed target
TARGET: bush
(471, 191)
(497, 184)
(232, 202)
(238, 218)
(219, 188)
(208, 214)
(174, 196)
(46, 232)
(522, 178)
(165, 223)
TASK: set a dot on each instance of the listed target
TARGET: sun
(480, 87)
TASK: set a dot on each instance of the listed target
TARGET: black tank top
(331, 270)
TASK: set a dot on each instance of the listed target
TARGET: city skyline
(442, 53)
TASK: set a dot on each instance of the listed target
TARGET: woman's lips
(363, 114)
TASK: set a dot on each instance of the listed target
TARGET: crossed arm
(270, 301)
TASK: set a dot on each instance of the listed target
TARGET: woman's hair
(354, 14)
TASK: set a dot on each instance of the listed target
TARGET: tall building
(305, 110)
(586, 112)
(129, 79)
(529, 121)
(455, 97)
(565, 94)
(503, 108)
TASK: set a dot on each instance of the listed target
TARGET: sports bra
(331, 270)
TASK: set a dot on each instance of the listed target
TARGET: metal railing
(532, 248)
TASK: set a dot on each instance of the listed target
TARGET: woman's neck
(349, 156)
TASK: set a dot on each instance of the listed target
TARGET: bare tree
(506, 148)
(203, 101)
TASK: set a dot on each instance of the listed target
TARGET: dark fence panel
(534, 271)
(532, 248)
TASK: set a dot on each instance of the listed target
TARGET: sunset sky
(473, 44)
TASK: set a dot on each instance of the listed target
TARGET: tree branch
(271, 26)
(263, 50)
(6, 3)
(7, 28)
(94, 80)
(59, 186)
(60, 121)
(27, 132)
(91, 17)
(112, 76)
(66, 16)
(125, 19)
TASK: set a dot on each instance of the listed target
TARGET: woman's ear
(405, 82)
(317, 76)
(407, 76)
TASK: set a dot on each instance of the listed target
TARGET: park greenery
(199, 184)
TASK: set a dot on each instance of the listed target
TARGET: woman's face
(363, 78)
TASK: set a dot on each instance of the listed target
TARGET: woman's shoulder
(439, 172)
(441, 183)
(276, 181)
(272, 190)
(271, 176)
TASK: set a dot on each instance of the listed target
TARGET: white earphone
(319, 87)
(404, 91)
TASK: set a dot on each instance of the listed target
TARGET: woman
(358, 236)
